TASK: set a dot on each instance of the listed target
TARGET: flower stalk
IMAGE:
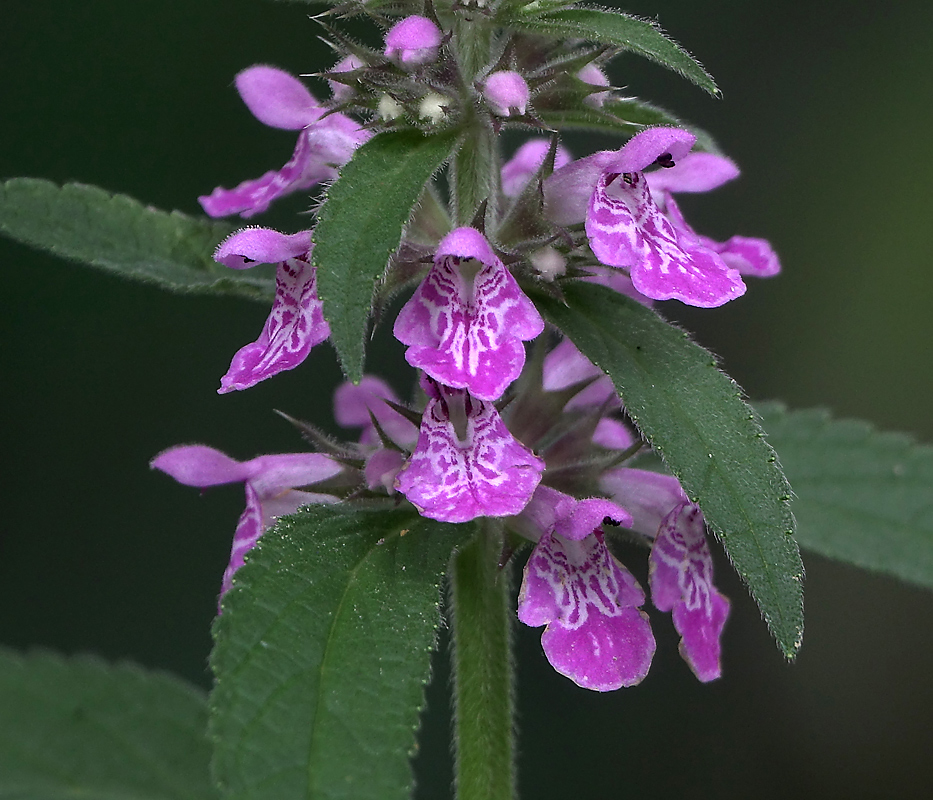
(484, 766)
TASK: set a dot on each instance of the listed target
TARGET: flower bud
(413, 41)
(341, 91)
(594, 76)
(506, 91)
(433, 107)
(389, 108)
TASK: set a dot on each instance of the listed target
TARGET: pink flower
(595, 633)
(270, 483)
(680, 564)
(296, 322)
(465, 324)
(610, 192)
(326, 142)
(466, 463)
(413, 41)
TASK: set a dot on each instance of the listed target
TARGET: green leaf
(626, 116)
(121, 235)
(861, 496)
(78, 727)
(322, 653)
(612, 27)
(694, 417)
(361, 224)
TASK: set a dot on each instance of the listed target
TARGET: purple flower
(625, 227)
(520, 168)
(702, 172)
(680, 564)
(466, 463)
(413, 41)
(506, 91)
(595, 633)
(270, 483)
(326, 142)
(465, 324)
(296, 322)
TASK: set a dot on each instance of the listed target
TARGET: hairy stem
(482, 669)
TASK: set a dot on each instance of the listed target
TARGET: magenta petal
(270, 475)
(614, 219)
(643, 149)
(568, 190)
(588, 515)
(200, 466)
(613, 434)
(701, 631)
(353, 405)
(749, 256)
(466, 322)
(295, 325)
(519, 169)
(648, 496)
(250, 246)
(354, 402)
(276, 98)
(595, 635)
(255, 196)
(381, 469)
(681, 579)
(695, 172)
(466, 463)
(248, 531)
(565, 366)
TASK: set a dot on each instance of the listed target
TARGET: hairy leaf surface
(322, 654)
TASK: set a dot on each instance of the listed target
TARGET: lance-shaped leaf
(78, 727)
(613, 27)
(360, 226)
(119, 234)
(693, 415)
(322, 653)
(860, 496)
(626, 116)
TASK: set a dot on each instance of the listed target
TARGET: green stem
(475, 173)
(482, 669)
(475, 170)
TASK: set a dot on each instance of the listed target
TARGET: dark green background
(826, 108)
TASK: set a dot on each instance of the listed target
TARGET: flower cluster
(543, 446)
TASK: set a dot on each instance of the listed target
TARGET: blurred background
(828, 113)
